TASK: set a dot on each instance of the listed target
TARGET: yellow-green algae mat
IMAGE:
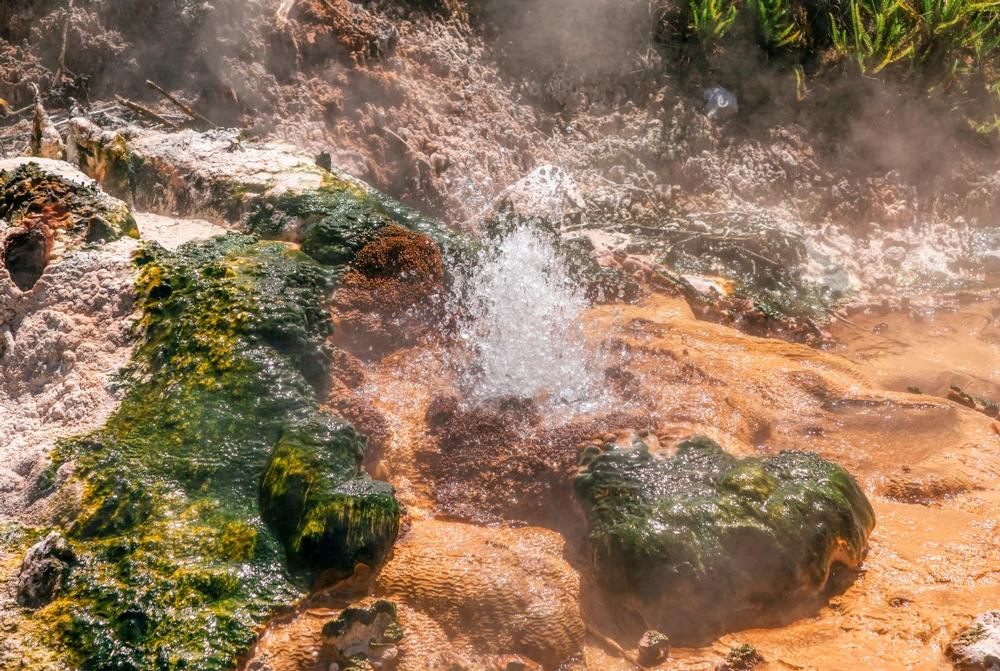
(218, 486)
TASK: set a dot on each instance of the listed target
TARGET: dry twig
(145, 111)
(65, 41)
(187, 109)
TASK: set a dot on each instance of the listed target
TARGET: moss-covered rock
(266, 188)
(327, 512)
(336, 220)
(70, 209)
(181, 549)
(703, 539)
(364, 637)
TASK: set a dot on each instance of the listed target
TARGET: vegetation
(948, 47)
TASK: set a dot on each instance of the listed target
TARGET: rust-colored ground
(929, 465)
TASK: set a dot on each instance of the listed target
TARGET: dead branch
(284, 9)
(65, 41)
(400, 139)
(180, 105)
(145, 111)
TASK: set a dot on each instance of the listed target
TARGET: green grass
(940, 47)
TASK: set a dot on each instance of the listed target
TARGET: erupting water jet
(519, 317)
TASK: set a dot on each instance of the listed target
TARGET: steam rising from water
(521, 323)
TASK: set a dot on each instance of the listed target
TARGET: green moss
(81, 214)
(701, 536)
(336, 220)
(743, 658)
(182, 554)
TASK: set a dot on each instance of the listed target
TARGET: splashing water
(521, 323)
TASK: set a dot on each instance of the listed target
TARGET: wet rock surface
(44, 570)
(702, 536)
(63, 314)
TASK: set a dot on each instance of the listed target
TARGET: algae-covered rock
(47, 210)
(328, 513)
(268, 188)
(741, 658)
(654, 648)
(364, 638)
(178, 567)
(701, 539)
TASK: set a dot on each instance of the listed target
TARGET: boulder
(44, 570)
(703, 540)
(977, 647)
(328, 513)
(47, 210)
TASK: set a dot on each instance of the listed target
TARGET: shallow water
(929, 466)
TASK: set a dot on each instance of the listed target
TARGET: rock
(741, 658)
(45, 139)
(696, 538)
(364, 635)
(47, 210)
(268, 188)
(325, 509)
(654, 648)
(44, 570)
(977, 648)
(219, 471)
(894, 255)
(720, 103)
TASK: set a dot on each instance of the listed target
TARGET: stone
(654, 648)
(699, 537)
(44, 570)
(977, 647)
(741, 658)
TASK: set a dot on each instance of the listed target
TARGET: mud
(929, 466)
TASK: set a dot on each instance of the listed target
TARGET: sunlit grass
(942, 47)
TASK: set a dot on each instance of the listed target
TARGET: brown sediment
(386, 298)
(929, 465)
(497, 461)
(466, 594)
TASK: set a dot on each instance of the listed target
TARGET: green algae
(334, 221)
(183, 553)
(702, 537)
(82, 212)
(327, 521)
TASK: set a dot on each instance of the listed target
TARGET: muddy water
(930, 346)
(930, 467)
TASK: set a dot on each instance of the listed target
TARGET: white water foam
(520, 321)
